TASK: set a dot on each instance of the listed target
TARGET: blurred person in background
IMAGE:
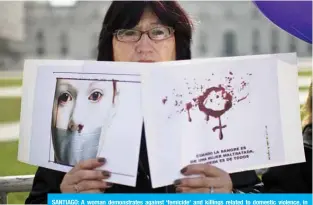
(140, 31)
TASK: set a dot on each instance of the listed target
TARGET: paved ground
(11, 74)
(9, 132)
(10, 92)
(304, 81)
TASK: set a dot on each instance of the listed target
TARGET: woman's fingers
(82, 175)
(199, 182)
(88, 185)
(211, 176)
(205, 169)
(88, 164)
(200, 190)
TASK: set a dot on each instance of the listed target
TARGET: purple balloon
(295, 17)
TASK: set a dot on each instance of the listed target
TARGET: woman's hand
(212, 180)
(84, 179)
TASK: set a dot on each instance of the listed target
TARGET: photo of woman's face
(80, 104)
(81, 110)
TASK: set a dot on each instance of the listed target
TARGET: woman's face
(145, 50)
(82, 105)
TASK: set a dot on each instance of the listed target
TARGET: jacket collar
(307, 135)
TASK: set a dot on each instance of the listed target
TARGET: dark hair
(127, 14)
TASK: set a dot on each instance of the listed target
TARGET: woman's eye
(95, 96)
(64, 98)
(129, 33)
(157, 32)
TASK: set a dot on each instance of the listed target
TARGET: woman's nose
(77, 116)
(72, 126)
(144, 44)
(80, 127)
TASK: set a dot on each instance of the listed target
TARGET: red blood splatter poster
(224, 112)
(212, 100)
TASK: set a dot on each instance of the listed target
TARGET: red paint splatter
(229, 79)
(241, 99)
(220, 127)
(215, 113)
(227, 95)
(114, 91)
(164, 100)
(188, 107)
(243, 84)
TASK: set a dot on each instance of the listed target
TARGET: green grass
(10, 82)
(10, 109)
(305, 73)
(10, 112)
(303, 88)
(10, 166)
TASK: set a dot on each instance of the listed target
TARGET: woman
(294, 178)
(134, 31)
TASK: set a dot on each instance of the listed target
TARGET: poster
(81, 111)
(227, 112)
(237, 113)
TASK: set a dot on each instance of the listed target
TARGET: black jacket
(48, 181)
(294, 178)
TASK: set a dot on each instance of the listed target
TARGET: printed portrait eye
(95, 96)
(64, 98)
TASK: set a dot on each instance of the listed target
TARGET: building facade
(221, 29)
(11, 34)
